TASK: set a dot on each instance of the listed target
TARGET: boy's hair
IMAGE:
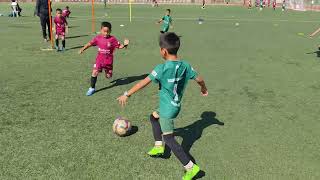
(58, 10)
(67, 7)
(169, 10)
(170, 41)
(106, 24)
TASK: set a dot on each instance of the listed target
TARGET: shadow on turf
(192, 133)
(134, 129)
(75, 47)
(315, 52)
(72, 37)
(123, 81)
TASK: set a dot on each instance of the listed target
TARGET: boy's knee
(95, 73)
(155, 115)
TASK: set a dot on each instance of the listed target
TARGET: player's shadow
(75, 47)
(78, 36)
(315, 52)
(70, 27)
(123, 81)
(191, 133)
(134, 129)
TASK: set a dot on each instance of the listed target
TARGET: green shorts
(165, 29)
(167, 119)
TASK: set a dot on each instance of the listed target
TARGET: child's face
(59, 13)
(167, 13)
(105, 31)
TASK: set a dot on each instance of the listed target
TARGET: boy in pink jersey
(66, 12)
(61, 28)
(107, 44)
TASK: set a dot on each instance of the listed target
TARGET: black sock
(93, 81)
(57, 42)
(176, 149)
(63, 43)
(156, 129)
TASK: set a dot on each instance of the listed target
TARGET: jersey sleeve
(94, 41)
(192, 74)
(116, 43)
(155, 75)
(163, 18)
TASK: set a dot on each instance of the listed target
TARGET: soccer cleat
(156, 151)
(63, 49)
(90, 92)
(191, 173)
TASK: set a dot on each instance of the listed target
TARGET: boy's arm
(202, 84)
(85, 47)
(314, 33)
(125, 44)
(67, 28)
(140, 85)
(160, 21)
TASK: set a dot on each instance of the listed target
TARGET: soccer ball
(121, 126)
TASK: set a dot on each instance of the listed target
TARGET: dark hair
(58, 10)
(169, 10)
(170, 41)
(106, 24)
(67, 7)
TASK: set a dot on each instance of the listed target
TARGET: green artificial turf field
(263, 80)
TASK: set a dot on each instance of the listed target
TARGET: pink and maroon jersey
(66, 13)
(60, 24)
(106, 48)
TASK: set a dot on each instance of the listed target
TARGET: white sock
(158, 143)
(189, 165)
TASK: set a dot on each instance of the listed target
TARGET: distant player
(172, 76)
(155, 3)
(274, 4)
(61, 28)
(66, 12)
(203, 4)
(105, 3)
(106, 44)
(249, 4)
(283, 5)
(261, 5)
(166, 22)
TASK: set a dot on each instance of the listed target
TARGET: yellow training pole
(50, 20)
(93, 20)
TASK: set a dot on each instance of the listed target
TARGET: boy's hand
(122, 100)
(204, 92)
(126, 42)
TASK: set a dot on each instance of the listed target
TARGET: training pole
(50, 19)
(93, 20)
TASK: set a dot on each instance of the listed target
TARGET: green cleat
(191, 173)
(156, 151)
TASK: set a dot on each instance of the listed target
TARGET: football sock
(176, 149)
(189, 165)
(63, 43)
(156, 129)
(57, 42)
(93, 82)
(158, 143)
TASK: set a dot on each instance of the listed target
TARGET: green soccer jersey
(172, 76)
(166, 23)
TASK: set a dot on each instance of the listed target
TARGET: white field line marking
(188, 19)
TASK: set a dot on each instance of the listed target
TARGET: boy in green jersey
(166, 22)
(172, 76)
